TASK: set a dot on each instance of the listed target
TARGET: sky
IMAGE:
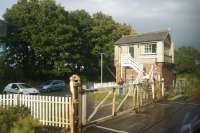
(181, 17)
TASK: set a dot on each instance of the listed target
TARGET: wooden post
(134, 96)
(153, 90)
(142, 96)
(75, 90)
(163, 87)
(137, 98)
(84, 107)
(174, 84)
(113, 102)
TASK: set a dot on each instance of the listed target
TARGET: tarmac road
(179, 116)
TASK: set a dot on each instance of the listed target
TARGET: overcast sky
(182, 17)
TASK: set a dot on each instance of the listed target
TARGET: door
(131, 51)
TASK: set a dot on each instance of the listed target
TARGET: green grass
(187, 77)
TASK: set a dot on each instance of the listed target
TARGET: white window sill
(148, 54)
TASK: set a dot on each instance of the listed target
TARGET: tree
(44, 39)
(82, 55)
(187, 61)
(105, 31)
(38, 36)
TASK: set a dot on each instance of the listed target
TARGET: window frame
(149, 48)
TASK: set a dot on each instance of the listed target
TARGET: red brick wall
(164, 70)
(118, 72)
(147, 67)
(130, 74)
(168, 74)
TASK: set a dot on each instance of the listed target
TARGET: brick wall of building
(147, 67)
(168, 74)
(164, 70)
(130, 74)
(118, 72)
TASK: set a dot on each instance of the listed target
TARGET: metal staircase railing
(128, 60)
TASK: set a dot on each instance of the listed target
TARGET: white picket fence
(49, 110)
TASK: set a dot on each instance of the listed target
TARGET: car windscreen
(24, 86)
(47, 82)
(58, 82)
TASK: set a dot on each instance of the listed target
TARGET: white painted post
(63, 111)
(84, 106)
(50, 108)
(163, 87)
(59, 111)
(153, 90)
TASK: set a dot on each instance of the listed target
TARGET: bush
(28, 124)
(16, 120)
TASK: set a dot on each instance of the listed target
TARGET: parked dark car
(52, 85)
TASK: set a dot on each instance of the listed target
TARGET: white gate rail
(105, 85)
(49, 110)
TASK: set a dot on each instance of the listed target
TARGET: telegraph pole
(102, 68)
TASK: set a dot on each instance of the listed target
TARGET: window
(150, 48)
(24, 86)
(14, 86)
(131, 51)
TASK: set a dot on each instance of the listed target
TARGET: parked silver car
(52, 85)
(20, 88)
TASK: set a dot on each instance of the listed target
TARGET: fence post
(113, 102)
(163, 87)
(137, 98)
(134, 96)
(153, 89)
(84, 107)
(75, 88)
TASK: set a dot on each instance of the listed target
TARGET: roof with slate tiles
(143, 37)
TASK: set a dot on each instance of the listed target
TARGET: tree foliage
(44, 40)
(187, 61)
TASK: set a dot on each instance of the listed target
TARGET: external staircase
(128, 61)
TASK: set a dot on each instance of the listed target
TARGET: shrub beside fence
(49, 110)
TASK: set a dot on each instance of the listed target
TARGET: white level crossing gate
(49, 110)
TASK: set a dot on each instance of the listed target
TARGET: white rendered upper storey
(146, 48)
